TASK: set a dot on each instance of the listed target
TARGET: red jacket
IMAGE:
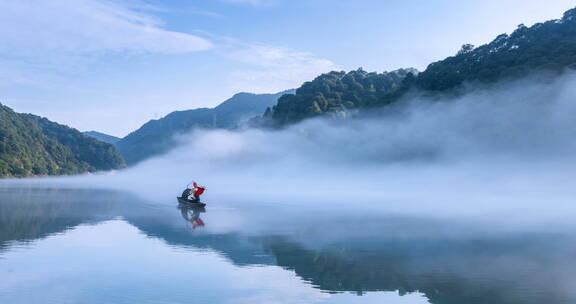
(199, 191)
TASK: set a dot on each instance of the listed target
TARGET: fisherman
(193, 190)
(197, 191)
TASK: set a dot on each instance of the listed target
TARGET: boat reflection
(192, 214)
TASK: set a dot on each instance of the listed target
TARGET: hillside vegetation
(543, 47)
(102, 137)
(336, 93)
(31, 145)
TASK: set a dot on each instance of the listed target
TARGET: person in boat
(193, 191)
(197, 191)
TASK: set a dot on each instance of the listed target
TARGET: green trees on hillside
(98, 155)
(548, 46)
(30, 145)
(336, 93)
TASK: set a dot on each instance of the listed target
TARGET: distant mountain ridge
(32, 145)
(157, 136)
(102, 137)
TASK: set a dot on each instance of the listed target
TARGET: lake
(67, 245)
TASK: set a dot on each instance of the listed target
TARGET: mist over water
(464, 199)
(490, 152)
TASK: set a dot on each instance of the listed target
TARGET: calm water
(96, 246)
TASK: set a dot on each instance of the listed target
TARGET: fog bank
(490, 152)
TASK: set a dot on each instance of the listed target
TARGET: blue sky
(111, 65)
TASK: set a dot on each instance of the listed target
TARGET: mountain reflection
(29, 214)
(335, 252)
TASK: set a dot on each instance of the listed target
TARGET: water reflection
(191, 214)
(334, 251)
(29, 214)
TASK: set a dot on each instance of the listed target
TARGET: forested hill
(102, 137)
(548, 46)
(336, 93)
(544, 46)
(31, 145)
(157, 136)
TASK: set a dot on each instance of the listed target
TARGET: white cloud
(253, 2)
(273, 69)
(87, 26)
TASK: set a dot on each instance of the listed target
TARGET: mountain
(544, 47)
(336, 93)
(102, 137)
(157, 136)
(549, 46)
(32, 145)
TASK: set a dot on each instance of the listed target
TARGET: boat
(193, 203)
